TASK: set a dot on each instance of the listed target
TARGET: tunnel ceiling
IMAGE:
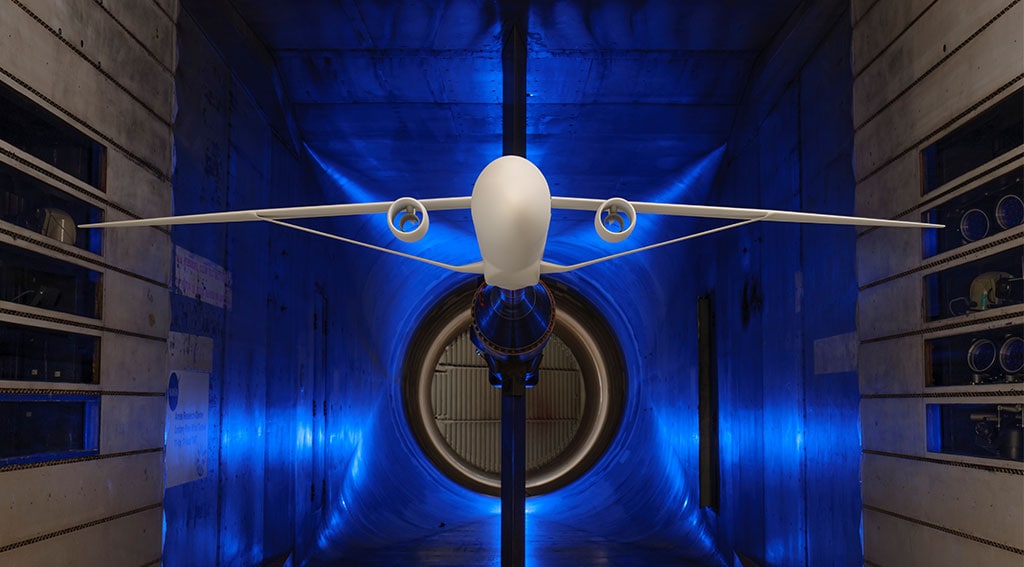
(404, 98)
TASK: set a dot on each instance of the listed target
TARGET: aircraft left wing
(408, 220)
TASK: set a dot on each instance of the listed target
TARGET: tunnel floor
(549, 545)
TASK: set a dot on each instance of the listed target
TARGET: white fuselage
(511, 207)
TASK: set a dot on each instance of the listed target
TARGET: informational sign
(202, 279)
(187, 426)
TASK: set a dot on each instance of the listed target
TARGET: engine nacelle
(405, 212)
(615, 219)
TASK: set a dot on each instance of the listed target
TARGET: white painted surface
(890, 541)
(104, 43)
(990, 61)
(943, 495)
(43, 500)
(84, 496)
(132, 364)
(187, 427)
(133, 305)
(131, 423)
(73, 83)
(190, 352)
(132, 540)
(201, 279)
(940, 29)
(837, 353)
(878, 26)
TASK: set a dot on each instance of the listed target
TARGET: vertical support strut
(513, 471)
(513, 106)
(513, 389)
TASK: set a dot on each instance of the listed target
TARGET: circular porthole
(1010, 211)
(1011, 355)
(982, 355)
(572, 413)
(974, 225)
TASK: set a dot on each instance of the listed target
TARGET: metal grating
(467, 409)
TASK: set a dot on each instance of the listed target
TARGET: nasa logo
(172, 392)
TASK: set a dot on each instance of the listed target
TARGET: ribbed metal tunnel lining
(467, 409)
(573, 413)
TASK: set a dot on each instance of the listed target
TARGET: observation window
(47, 427)
(32, 129)
(994, 356)
(35, 354)
(985, 211)
(29, 203)
(980, 285)
(978, 430)
(985, 137)
(32, 279)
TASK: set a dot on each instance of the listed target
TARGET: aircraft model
(513, 312)
(511, 210)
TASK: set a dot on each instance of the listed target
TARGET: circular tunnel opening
(573, 413)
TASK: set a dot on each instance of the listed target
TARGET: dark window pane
(33, 354)
(36, 427)
(29, 203)
(977, 430)
(986, 283)
(41, 281)
(984, 138)
(983, 357)
(984, 211)
(30, 128)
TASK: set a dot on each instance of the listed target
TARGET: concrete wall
(233, 151)
(921, 70)
(106, 69)
(785, 307)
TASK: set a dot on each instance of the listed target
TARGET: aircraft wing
(711, 212)
(615, 219)
(287, 213)
(400, 213)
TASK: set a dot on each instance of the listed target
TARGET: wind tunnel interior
(312, 459)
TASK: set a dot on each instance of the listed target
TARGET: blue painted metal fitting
(511, 328)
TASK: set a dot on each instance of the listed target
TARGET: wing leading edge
(743, 216)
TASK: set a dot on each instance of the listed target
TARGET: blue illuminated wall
(309, 448)
(232, 154)
(790, 445)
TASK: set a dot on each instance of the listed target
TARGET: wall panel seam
(79, 527)
(95, 64)
(958, 325)
(53, 178)
(939, 195)
(73, 460)
(937, 64)
(80, 325)
(944, 529)
(141, 162)
(945, 260)
(865, 14)
(894, 40)
(164, 12)
(82, 257)
(941, 128)
(80, 392)
(959, 464)
(924, 395)
(135, 38)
